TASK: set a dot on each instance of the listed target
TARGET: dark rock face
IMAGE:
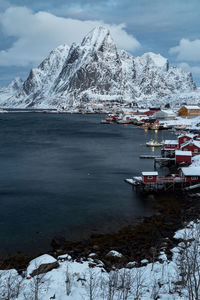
(44, 268)
(97, 70)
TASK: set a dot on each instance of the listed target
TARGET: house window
(195, 150)
(185, 140)
(150, 177)
(194, 178)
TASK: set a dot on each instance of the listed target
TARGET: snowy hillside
(96, 71)
(63, 278)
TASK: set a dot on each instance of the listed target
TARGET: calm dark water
(64, 174)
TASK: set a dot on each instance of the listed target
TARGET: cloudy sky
(29, 30)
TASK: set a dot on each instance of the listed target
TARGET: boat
(153, 143)
(106, 122)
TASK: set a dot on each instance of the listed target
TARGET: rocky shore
(143, 240)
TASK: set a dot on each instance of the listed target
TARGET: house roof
(150, 173)
(191, 135)
(183, 153)
(191, 171)
(196, 143)
(192, 107)
(171, 142)
(192, 142)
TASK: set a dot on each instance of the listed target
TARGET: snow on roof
(191, 135)
(191, 106)
(150, 173)
(168, 112)
(193, 142)
(185, 153)
(196, 143)
(186, 144)
(171, 142)
(191, 171)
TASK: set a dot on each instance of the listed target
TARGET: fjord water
(63, 173)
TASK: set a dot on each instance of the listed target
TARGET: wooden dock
(162, 184)
(163, 161)
(146, 156)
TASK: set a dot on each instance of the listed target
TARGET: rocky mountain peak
(154, 60)
(97, 38)
(95, 70)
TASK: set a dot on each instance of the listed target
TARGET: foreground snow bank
(74, 280)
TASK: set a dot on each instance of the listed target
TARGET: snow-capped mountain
(96, 70)
(40, 80)
(7, 91)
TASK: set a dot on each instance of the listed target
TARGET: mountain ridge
(95, 70)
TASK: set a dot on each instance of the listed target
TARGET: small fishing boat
(153, 143)
(106, 122)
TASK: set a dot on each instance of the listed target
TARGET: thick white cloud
(38, 33)
(193, 69)
(187, 50)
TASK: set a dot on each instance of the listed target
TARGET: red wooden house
(191, 174)
(193, 146)
(183, 138)
(149, 177)
(183, 156)
(171, 144)
(150, 112)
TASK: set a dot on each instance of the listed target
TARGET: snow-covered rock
(96, 71)
(64, 257)
(41, 264)
(114, 253)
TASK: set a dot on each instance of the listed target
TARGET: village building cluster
(178, 153)
(181, 152)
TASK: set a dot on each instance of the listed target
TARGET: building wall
(146, 179)
(191, 112)
(195, 150)
(183, 140)
(182, 158)
(192, 179)
(183, 111)
(170, 146)
(194, 112)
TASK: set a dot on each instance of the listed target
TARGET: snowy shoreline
(65, 278)
(78, 259)
(78, 269)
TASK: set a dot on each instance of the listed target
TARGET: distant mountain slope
(7, 91)
(96, 70)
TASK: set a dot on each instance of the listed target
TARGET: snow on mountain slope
(7, 91)
(153, 61)
(96, 70)
(40, 79)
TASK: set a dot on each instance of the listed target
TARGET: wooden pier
(146, 156)
(161, 184)
(163, 161)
